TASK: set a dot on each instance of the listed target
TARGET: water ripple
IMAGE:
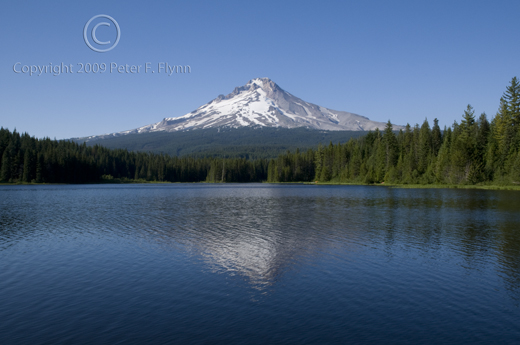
(295, 263)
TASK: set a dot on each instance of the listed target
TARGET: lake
(258, 264)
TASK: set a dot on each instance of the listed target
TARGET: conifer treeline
(471, 152)
(27, 159)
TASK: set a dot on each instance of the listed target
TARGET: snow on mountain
(261, 102)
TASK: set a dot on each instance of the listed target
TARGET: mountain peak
(262, 103)
(259, 81)
(265, 83)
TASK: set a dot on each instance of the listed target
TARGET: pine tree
(442, 166)
(468, 119)
(379, 162)
(463, 164)
(319, 162)
(512, 99)
(39, 168)
(5, 170)
(391, 146)
(28, 167)
(425, 147)
(436, 138)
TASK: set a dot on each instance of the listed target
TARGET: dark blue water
(265, 264)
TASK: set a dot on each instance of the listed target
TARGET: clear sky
(398, 60)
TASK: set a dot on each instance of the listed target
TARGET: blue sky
(398, 60)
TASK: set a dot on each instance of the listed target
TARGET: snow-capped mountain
(261, 102)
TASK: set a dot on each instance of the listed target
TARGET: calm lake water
(258, 263)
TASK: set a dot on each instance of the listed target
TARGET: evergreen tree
(28, 167)
(442, 166)
(391, 146)
(5, 170)
(512, 99)
(39, 168)
(436, 138)
(319, 161)
(425, 147)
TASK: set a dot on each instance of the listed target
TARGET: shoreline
(425, 186)
(405, 186)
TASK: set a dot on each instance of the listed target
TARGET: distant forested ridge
(243, 142)
(474, 151)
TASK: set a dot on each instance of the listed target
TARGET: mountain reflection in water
(267, 263)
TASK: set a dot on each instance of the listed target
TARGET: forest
(26, 159)
(474, 151)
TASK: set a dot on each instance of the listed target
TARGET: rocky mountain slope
(259, 103)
